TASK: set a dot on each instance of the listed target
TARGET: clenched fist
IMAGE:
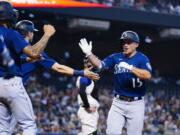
(49, 30)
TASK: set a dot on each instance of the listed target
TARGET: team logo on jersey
(118, 69)
(149, 66)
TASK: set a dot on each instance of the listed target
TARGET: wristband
(78, 72)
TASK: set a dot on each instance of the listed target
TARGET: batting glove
(125, 65)
(85, 47)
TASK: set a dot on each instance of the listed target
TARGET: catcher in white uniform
(88, 103)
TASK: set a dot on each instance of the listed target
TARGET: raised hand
(49, 30)
(85, 46)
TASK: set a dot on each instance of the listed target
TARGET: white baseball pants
(15, 101)
(129, 113)
(88, 121)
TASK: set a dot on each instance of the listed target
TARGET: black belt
(129, 99)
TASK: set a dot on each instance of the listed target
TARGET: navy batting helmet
(25, 26)
(8, 13)
(130, 35)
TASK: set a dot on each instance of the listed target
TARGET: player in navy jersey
(13, 98)
(130, 70)
(26, 29)
(88, 103)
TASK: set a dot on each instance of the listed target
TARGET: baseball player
(6, 61)
(26, 28)
(13, 98)
(88, 103)
(131, 69)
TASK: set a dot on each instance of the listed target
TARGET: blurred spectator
(177, 9)
(156, 6)
(108, 2)
(56, 110)
(127, 3)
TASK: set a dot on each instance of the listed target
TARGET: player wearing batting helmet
(131, 69)
(15, 99)
(8, 14)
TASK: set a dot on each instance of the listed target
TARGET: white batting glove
(85, 47)
(125, 65)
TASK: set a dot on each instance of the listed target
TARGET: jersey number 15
(136, 82)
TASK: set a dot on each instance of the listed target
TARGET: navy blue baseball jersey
(15, 44)
(126, 83)
(28, 68)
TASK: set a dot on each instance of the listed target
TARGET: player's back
(15, 43)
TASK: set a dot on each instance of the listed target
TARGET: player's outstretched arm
(35, 50)
(87, 50)
(69, 71)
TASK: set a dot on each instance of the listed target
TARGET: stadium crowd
(157, 6)
(56, 109)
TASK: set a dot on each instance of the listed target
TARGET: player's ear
(137, 44)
